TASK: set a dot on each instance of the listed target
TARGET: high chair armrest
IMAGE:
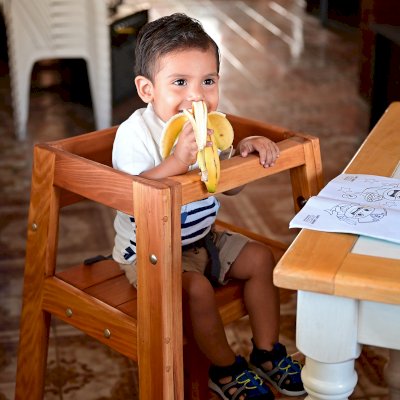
(299, 154)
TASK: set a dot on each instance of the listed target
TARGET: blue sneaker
(245, 382)
(285, 375)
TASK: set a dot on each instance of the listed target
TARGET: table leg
(392, 374)
(327, 335)
(329, 381)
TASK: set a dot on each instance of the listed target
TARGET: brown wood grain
(307, 179)
(95, 146)
(323, 262)
(379, 154)
(244, 127)
(312, 261)
(91, 316)
(34, 325)
(159, 311)
(369, 278)
(145, 325)
(83, 276)
(238, 171)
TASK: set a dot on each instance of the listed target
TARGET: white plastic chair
(51, 29)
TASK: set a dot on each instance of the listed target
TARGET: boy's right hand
(186, 148)
(178, 162)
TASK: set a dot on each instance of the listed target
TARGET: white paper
(355, 203)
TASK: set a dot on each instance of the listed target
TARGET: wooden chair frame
(146, 325)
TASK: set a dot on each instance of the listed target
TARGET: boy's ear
(144, 88)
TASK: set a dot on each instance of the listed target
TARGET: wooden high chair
(144, 325)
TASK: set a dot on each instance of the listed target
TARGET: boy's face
(182, 77)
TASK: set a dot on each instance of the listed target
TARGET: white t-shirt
(137, 149)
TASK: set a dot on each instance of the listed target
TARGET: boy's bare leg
(206, 324)
(255, 265)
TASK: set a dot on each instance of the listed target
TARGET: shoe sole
(261, 373)
(215, 388)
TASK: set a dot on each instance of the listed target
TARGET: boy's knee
(196, 286)
(262, 254)
(263, 259)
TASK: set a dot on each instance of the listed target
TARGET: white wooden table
(348, 286)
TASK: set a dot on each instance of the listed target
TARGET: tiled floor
(278, 65)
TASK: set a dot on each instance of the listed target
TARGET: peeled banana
(207, 156)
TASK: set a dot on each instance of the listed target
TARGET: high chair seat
(144, 324)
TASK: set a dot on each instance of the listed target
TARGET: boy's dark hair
(167, 34)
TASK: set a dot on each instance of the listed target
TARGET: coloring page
(355, 203)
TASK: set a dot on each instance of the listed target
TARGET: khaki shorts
(196, 259)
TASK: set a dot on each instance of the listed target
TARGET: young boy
(178, 63)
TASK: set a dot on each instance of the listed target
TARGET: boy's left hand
(266, 148)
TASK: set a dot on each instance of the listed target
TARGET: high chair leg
(196, 372)
(35, 322)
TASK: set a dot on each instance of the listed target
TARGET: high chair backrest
(145, 325)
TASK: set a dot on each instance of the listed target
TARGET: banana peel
(207, 156)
